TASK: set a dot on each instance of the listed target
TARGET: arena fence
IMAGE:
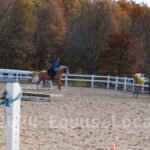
(109, 81)
(123, 83)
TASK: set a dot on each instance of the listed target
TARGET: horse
(43, 76)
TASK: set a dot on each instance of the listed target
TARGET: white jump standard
(12, 115)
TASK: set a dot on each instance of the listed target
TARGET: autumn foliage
(105, 37)
(122, 56)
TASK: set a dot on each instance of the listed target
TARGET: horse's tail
(34, 74)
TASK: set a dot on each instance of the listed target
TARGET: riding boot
(53, 74)
(52, 77)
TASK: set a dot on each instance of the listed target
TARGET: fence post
(116, 84)
(66, 80)
(149, 85)
(16, 76)
(41, 84)
(92, 81)
(108, 80)
(134, 84)
(125, 83)
(13, 118)
(51, 84)
(142, 88)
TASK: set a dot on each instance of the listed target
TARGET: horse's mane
(61, 67)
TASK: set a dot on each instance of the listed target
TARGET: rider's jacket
(54, 65)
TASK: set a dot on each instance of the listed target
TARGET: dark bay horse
(43, 76)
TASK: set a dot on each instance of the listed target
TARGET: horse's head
(64, 69)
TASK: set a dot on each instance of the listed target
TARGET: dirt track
(84, 119)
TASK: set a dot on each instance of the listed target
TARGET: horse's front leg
(59, 85)
(47, 85)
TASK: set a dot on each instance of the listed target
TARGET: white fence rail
(116, 81)
(7, 75)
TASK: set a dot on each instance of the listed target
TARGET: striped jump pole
(12, 96)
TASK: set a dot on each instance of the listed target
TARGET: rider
(53, 67)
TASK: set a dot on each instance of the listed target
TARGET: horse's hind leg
(44, 83)
(59, 85)
(38, 83)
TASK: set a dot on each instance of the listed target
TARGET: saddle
(51, 73)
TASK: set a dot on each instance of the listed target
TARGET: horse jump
(12, 116)
(12, 113)
(48, 96)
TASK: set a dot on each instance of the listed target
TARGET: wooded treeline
(105, 37)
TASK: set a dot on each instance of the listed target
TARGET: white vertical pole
(92, 81)
(16, 76)
(108, 80)
(116, 85)
(142, 88)
(13, 118)
(149, 86)
(125, 83)
(66, 81)
(51, 84)
(133, 85)
(41, 84)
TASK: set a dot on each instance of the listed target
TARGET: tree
(123, 56)
(121, 12)
(86, 36)
(50, 32)
(17, 37)
(5, 8)
(145, 43)
(73, 7)
(139, 26)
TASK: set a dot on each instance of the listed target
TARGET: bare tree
(87, 35)
(50, 32)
